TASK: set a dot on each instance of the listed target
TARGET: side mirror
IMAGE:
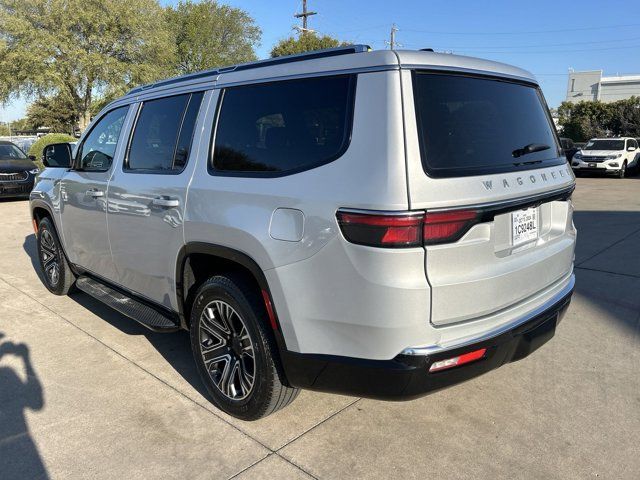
(631, 149)
(57, 155)
(32, 158)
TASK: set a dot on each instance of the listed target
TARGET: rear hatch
(484, 160)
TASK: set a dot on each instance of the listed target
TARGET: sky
(545, 37)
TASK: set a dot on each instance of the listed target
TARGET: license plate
(524, 226)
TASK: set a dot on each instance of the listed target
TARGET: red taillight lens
(405, 229)
(441, 227)
(382, 230)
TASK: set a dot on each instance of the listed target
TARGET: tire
(56, 273)
(234, 350)
(623, 170)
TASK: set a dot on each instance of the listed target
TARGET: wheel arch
(197, 261)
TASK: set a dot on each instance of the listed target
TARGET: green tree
(59, 112)
(625, 117)
(209, 34)
(5, 129)
(584, 120)
(306, 42)
(79, 48)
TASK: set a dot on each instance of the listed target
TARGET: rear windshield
(604, 145)
(472, 125)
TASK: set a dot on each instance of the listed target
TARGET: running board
(125, 304)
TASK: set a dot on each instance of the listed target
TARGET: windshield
(604, 145)
(471, 125)
(9, 151)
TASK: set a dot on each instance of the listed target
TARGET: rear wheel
(234, 351)
(57, 275)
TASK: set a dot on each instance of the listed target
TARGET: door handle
(95, 193)
(166, 202)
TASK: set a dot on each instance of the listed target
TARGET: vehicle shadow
(607, 265)
(19, 457)
(175, 348)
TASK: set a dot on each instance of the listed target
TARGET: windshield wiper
(531, 148)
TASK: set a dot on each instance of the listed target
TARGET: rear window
(471, 125)
(283, 127)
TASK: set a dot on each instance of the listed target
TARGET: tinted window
(186, 132)
(156, 133)
(284, 126)
(99, 147)
(474, 125)
(632, 143)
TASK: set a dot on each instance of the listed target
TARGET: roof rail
(328, 52)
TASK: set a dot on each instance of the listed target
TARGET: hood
(15, 166)
(600, 153)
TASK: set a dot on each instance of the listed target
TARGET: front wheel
(623, 170)
(234, 351)
(57, 275)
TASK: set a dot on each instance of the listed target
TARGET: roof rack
(328, 52)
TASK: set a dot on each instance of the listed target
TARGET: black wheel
(623, 170)
(235, 353)
(58, 277)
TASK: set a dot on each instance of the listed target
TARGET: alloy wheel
(227, 350)
(50, 258)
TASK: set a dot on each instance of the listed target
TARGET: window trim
(151, 171)
(76, 164)
(347, 135)
(482, 170)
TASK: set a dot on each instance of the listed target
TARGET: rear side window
(469, 125)
(163, 132)
(283, 127)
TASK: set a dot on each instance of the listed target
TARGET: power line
(596, 42)
(522, 32)
(392, 38)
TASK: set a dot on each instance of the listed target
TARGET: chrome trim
(397, 213)
(510, 201)
(431, 349)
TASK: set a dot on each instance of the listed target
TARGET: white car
(608, 156)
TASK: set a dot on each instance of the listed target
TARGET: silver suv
(381, 224)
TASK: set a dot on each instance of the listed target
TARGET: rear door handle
(95, 193)
(166, 202)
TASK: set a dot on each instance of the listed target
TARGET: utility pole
(392, 39)
(304, 15)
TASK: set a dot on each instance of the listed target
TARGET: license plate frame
(524, 226)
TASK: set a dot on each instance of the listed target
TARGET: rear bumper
(407, 375)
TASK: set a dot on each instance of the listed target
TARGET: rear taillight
(442, 227)
(382, 230)
(405, 229)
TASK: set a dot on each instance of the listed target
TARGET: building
(591, 85)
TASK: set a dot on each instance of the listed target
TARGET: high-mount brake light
(382, 229)
(405, 229)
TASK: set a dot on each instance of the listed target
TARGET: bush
(37, 148)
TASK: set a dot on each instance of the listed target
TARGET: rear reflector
(405, 229)
(382, 230)
(457, 361)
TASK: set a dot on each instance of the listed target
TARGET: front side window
(632, 143)
(473, 125)
(604, 145)
(163, 132)
(99, 147)
(283, 127)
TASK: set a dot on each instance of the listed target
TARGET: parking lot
(86, 392)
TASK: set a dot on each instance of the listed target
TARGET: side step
(132, 308)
